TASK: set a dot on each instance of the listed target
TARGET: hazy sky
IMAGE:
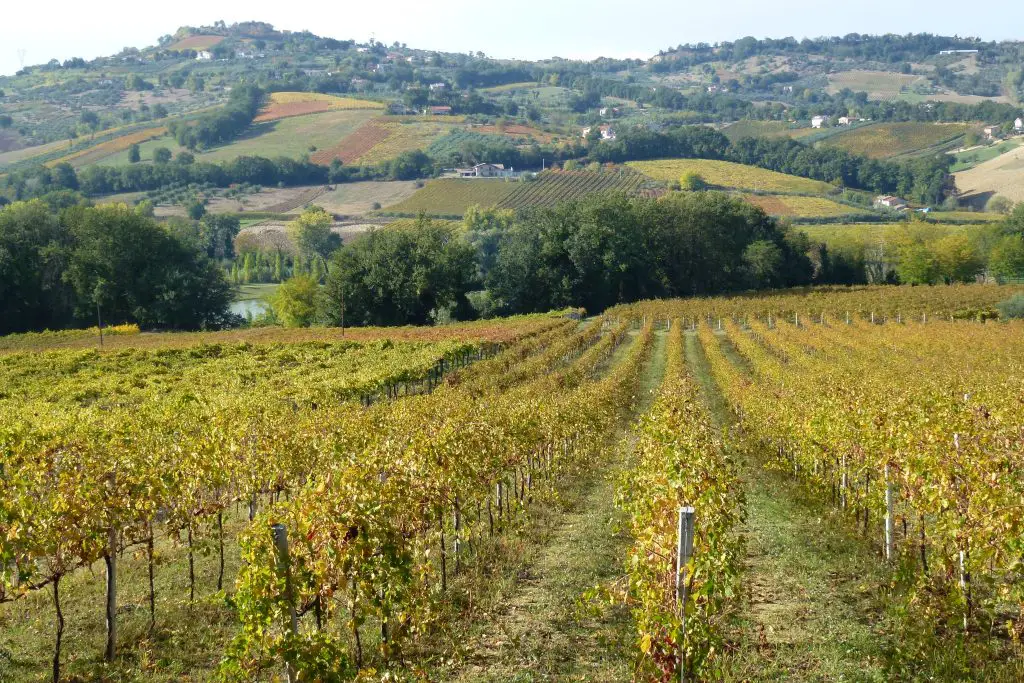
(521, 28)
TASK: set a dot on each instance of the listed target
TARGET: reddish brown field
(773, 206)
(355, 145)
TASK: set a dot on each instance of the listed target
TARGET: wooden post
(684, 550)
(110, 558)
(889, 528)
(280, 534)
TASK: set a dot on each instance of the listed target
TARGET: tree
(150, 277)
(295, 301)
(763, 260)
(400, 276)
(195, 209)
(693, 182)
(6, 121)
(999, 204)
(161, 155)
(917, 265)
(312, 235)
(134, 156)
(957, 259)
(1006, 260)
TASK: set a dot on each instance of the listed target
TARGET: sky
(528, 29)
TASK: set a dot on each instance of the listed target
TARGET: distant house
(204, 56)
(1018, 125)
(438, 86)
(438, 111)
(609, 112)
(399, 109)
(607, 132)
(992, 132)
(818, 121)
(846, 120)
(888, 201)
(958, 52)
(360, 83)
(485, 171)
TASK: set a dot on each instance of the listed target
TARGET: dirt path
(544, 629)
(811, 610)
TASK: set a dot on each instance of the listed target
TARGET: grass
(452, 196)
(13, 157)
(879, 85)
(887, 140)
(90, 155)
(257, 292)
(348, 199)
(538, 626)
(729, 175)
(858, 235)
(971, 158)
(793, 206)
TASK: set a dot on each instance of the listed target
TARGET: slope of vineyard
(553, 187)
(729, 175)
(452, 196)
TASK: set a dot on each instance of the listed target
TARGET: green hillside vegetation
(888, 140)
(452, 196)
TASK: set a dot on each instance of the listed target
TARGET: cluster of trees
(594, 254)
(224, 124)
(925, 179)
(64, 268)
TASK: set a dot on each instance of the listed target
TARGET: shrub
(1012, 307)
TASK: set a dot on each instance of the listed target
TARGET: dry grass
(1002, 176)
(726, 174)
(89, 155)
(197, 43)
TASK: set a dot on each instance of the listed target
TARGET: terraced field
(728, 175)
(889, 140)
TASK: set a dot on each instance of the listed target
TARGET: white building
(204, 56)
(486, 171)
(438, 86)
(1018, 125)
(818, 121)
(890, 202)
(607, 132)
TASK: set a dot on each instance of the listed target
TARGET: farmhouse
(609, 112)
(992, 132)
(607, 132)
(204, 56)
(1018, 125)
(399, 109)
(818, 121)
(486, 171)
(888, 201)
(438, 86)
(438, 111)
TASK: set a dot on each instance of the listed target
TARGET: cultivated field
(1002, 176)
(795, 206)
(728, 175)
(856, 236)
(887, 140)
(352, 199)
(879, 85)
(285, 104)
(553, 187)
(452, 196)
(385, 137)
(196, 43)
(752, 129)
(104, 150)
(13, 157)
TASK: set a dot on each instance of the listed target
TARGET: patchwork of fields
(285, 104)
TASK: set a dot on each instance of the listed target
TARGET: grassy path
(543, 629)
(811, 609)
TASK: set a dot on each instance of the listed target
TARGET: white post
(684, 551)
(847, 317)
(280, 534)
(889, 521)
(872, 317)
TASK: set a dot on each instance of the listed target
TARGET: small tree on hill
(134, 156)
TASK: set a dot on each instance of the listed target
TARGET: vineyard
(553, 187)
(887, 140)
(799, 206)
(268, 504)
